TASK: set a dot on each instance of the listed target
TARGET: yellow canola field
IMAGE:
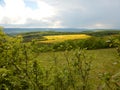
(61, 38)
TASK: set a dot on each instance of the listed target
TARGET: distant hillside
(99, 33)
(27, 30)
(24, 30)
(39, 35)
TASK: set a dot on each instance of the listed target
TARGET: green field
(61, 38)
(103, 61)
(82, 64)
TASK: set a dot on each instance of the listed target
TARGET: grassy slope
(42, 36)
(104, 60)
(60, 38)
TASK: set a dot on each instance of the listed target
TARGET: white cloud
(16, 12)
(99, 26)
(61, 13)
(56, 24)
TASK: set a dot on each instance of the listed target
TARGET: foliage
(91, 43)
(102, 32)
(111, 81)
(20, 69)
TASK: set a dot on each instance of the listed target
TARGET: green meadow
(103, 61)
(78, 64)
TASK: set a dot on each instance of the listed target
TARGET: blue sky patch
(2, 2)
(31, 4)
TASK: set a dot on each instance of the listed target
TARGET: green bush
(91, 43)
(20, 68)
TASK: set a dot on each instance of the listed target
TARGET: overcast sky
(102, 14)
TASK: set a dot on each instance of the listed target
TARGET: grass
(61, 38)
(58, 70)
(103, 60)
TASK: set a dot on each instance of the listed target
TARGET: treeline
(89, 44)
(102, 32)
(99, 39)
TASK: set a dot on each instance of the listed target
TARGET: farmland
(61, 38)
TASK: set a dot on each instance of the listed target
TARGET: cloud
(99, 26)
(61, 13)
(16, 12)
(92, 12)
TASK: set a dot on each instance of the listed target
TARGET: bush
(91, 43)
(20, 68)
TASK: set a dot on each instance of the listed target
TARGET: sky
(91, 14)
